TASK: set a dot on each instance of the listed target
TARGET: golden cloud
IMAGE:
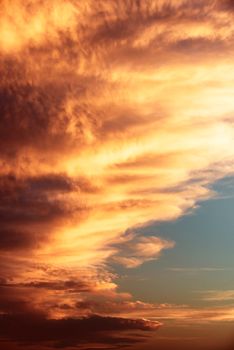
(113, 115)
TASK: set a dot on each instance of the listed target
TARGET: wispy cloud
(218, 295)
(137, 250)
(198, 269)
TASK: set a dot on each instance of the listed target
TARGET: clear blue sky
(204, 239)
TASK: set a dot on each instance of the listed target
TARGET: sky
(116, 174)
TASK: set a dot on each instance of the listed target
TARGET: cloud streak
(138, 250)
(218, 295)
(74, 333)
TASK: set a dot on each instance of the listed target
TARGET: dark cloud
(199, 46)
(226, 5)
(33, 113)
(122, 22)
(28, 207)
(24, 323)
(11, 239)
(33, 200)
(14, 300)
(69, 286)
(26, 113)
(29, 329)
(51, 182)
(59, 183)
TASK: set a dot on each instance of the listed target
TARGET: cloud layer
(114, 114)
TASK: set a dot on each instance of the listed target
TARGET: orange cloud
(218, 295)
(140, 249)
(113, 115)
(25, 23)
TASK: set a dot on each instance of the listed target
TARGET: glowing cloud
(114, 114)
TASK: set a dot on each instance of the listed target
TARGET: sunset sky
(116, 174)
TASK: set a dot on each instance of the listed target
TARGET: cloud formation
(138, 250)
(32, 329)
(218, 295)
(114, 114)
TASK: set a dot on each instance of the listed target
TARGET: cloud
(116, 307)
(69, 286)
(33, 23)
(12, 239)
(197, 269)
(218, 295)
(65, 333)
(29, 206)
(114, 115)
(226, 5)
(141, 249)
